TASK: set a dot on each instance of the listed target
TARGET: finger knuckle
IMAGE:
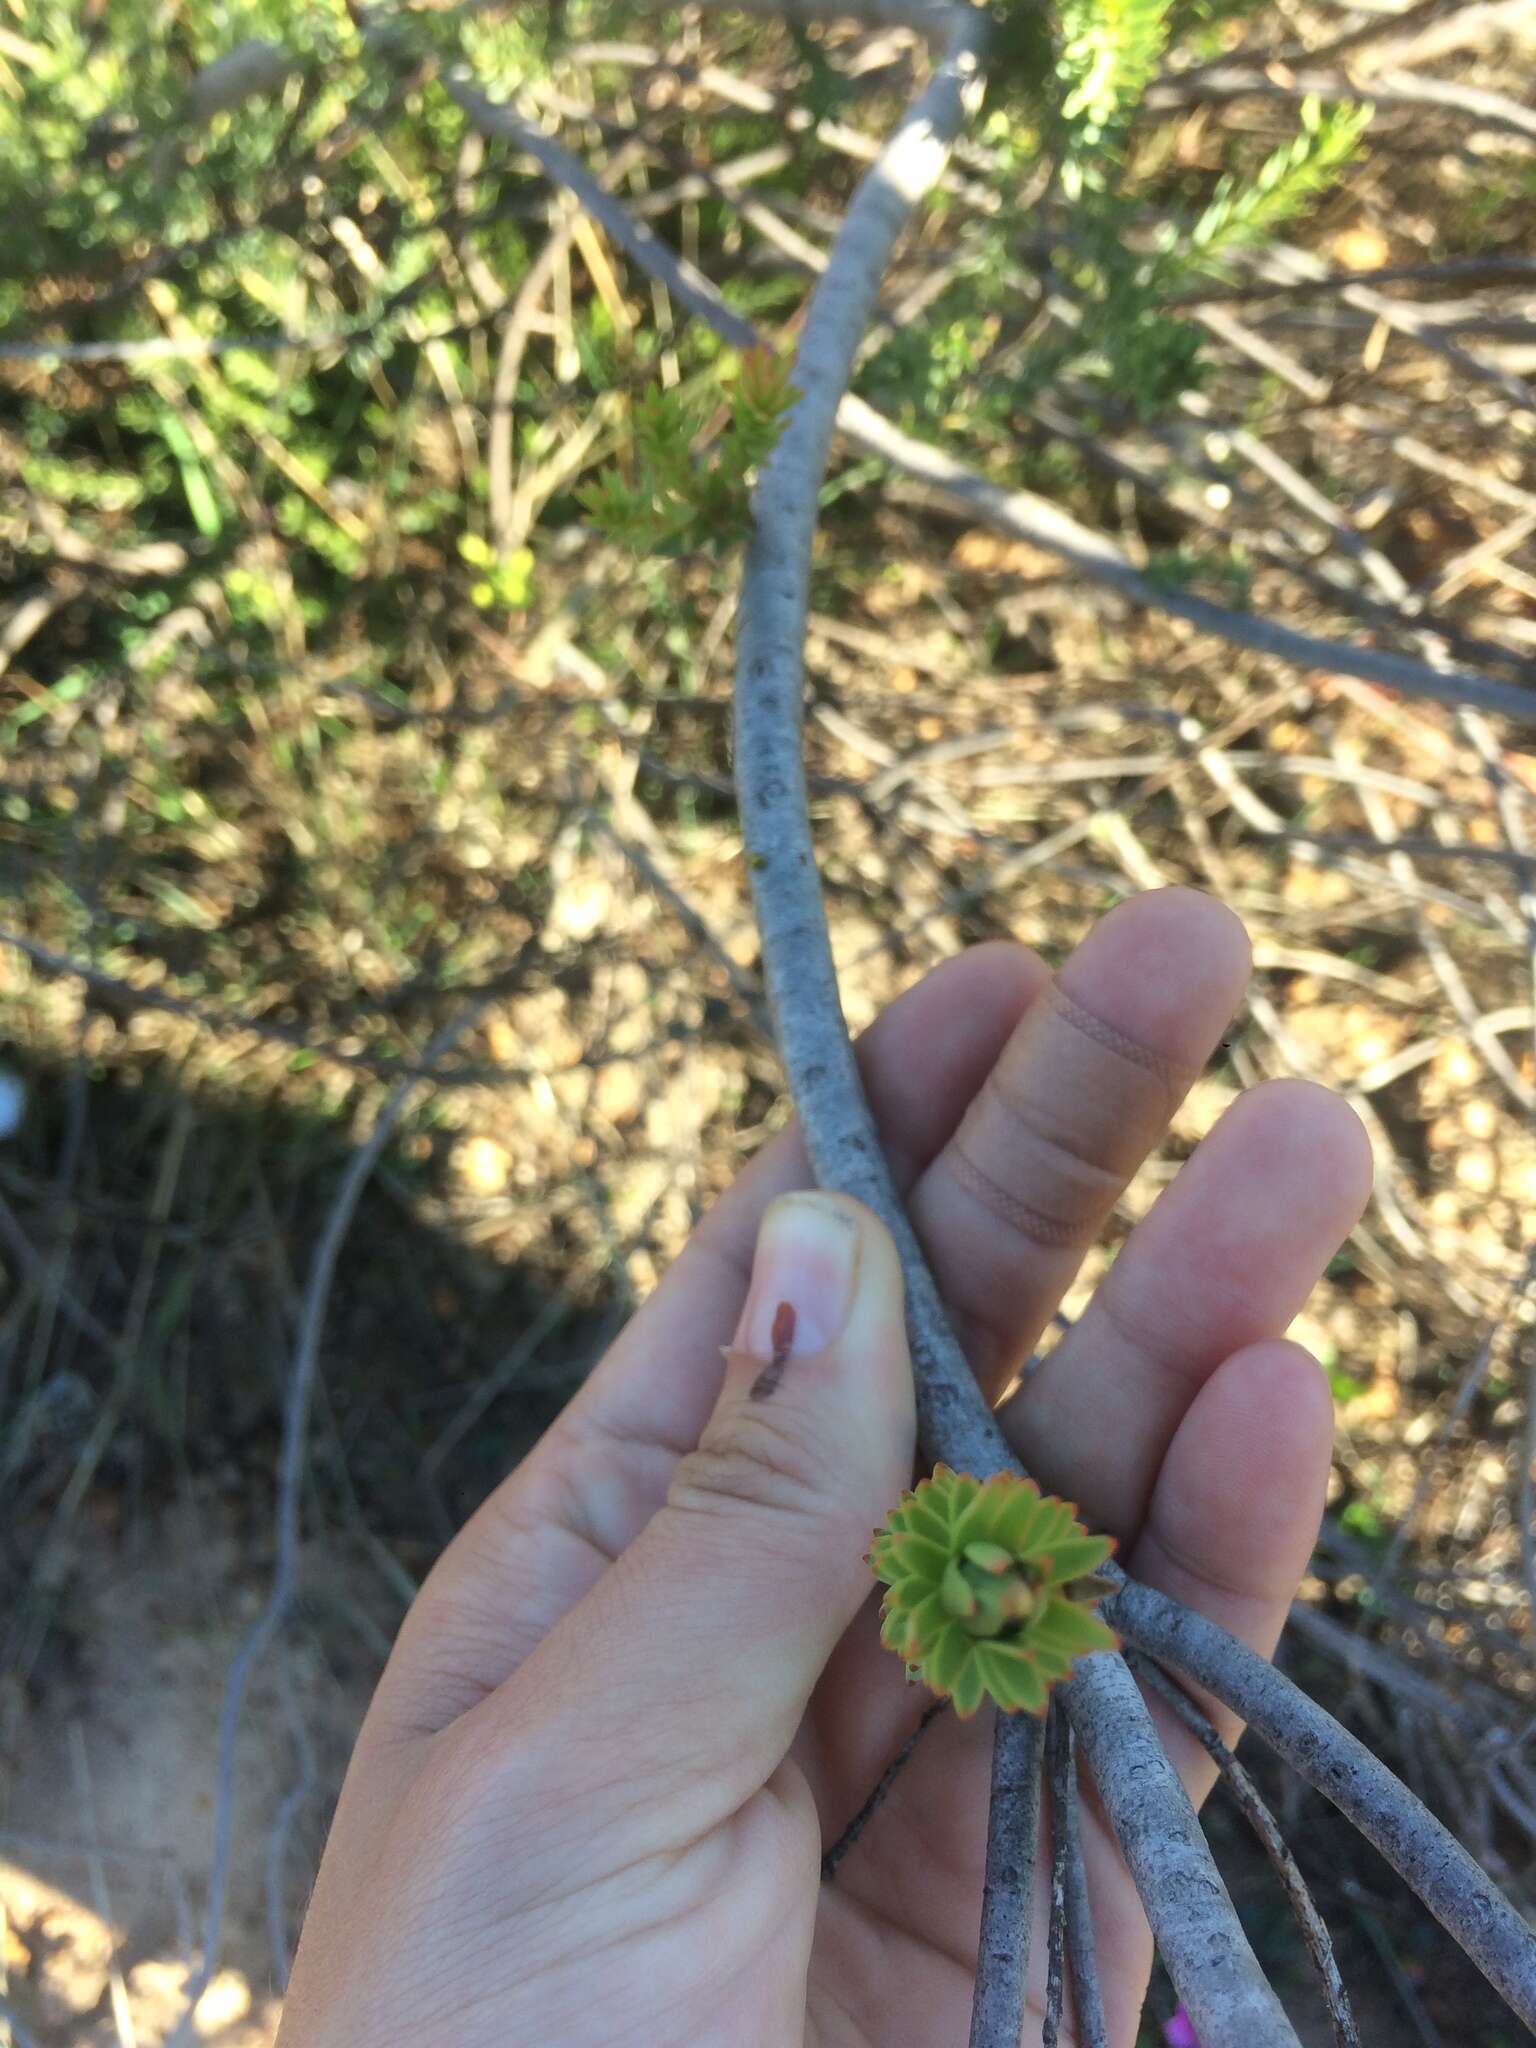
(752, 1461)
(1047, 1221)
(1044, 1179)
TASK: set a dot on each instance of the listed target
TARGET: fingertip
(1312, 1141)
(1274, 1395)
(1004, 973)
(979, 994)
(1236, 1507)
(1169, 967)
(1352, 1156)
(1235, 1512)
(823, 1263)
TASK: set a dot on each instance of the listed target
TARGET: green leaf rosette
(990, 1589)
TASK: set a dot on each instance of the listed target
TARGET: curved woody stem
(1013, 1829)
(1191, 1915)
(1062, 1785)
(1082, 1954)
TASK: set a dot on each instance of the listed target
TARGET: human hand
(643, 1688)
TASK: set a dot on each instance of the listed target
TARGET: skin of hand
(642, 1690)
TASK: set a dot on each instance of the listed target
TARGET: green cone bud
(990, 1588)
(956, 1592)
(990, 1556)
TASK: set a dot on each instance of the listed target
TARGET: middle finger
(1225, 1258)
(1081, 1094)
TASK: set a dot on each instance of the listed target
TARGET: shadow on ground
(160, 1243)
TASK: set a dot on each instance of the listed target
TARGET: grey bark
(1192, 1917)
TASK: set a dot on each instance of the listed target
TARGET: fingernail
(804, 1274)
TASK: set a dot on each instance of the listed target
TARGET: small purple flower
(1179, 2032)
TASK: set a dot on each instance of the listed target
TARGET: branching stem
(1426, 1855)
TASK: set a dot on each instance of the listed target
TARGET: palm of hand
(591, 1799)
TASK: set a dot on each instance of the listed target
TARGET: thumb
(725, 1609)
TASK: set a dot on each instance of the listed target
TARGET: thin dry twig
(1424, 1854)
(688, 285)
(1466, 1393)
(1526, 1503)
(1062, 1785)
(128, 996)
(1007, 1899)
(1081, 1946)
(1385, 88)
(1250, 1803)
(85, 1790)
(1030, 517)
(514, 342)
(302, 1373)
(290, 1806)
(866, 1813)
